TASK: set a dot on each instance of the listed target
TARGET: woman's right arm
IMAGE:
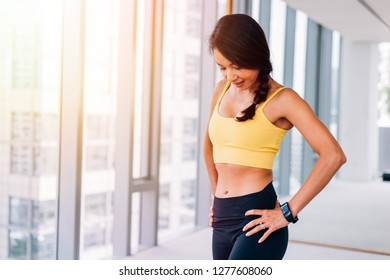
(207, 145)
(210, 166)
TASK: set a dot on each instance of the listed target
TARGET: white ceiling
(352, 18)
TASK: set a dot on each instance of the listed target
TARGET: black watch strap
(287, 213)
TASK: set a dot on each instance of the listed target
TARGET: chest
(232, 104)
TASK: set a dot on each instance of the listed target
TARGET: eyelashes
(234, 68)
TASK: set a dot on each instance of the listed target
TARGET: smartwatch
(287, 213)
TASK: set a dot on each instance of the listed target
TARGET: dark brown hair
(241, 40)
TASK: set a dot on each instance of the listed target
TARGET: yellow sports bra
(253, 143)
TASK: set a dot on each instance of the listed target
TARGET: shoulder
(218, 91)
(292, 106)
(287, 97)
(287, 94)
(286, 102)
(220, 87)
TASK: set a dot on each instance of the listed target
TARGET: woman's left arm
(331, 157)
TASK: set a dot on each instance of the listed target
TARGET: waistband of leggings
(238, 205)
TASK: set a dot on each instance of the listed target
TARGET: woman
(250, 114)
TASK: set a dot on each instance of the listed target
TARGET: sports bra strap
(223, 92)
(270, 96)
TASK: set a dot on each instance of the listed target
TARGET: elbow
(344, 159)
(334, 157)
(339, 158)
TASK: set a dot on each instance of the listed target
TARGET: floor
(347, 221)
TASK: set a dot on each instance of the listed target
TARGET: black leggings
(230, 242)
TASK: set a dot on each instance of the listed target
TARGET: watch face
(287, 213)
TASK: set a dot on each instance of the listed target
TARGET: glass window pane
(135, 222)
(335, 93)
(187, 211)
(100, 91)
(299, 86)
(255, 12)
(221, 5)
(140, 91)
(18, 245)
(43, 246)
(18, 212)
(44, 214)
(30, 86)
(180, 104)
(277, 44)
(164, 205)
(277, 38)
(384, 85)
(221, 8)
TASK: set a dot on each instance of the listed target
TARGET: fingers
(269, 220)
(211, 216)
(256, 229)
(252, 224)
(257, 212)
(259, 228)
(265, 235)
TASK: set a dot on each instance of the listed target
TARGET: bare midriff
(235, 180)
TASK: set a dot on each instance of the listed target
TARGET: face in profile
(241, 78)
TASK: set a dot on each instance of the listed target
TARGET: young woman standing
(250, 114)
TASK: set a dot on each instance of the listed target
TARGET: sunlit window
(384, 85)
(299, 87)
(180, 98)
(30, 67)
(277, 38)
(100, 92)
(335, 93)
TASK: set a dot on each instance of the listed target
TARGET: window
(193, 25)
(17, 245)
(32, 227)
(166, 153)
(97, 219)
(271, 15)
(27, 47)
(384, 85)
(335, 93)
(100, 93)
(187, 214)
(192, 64)
(18, 214)
(299, 86)
(94, 235)
(191, 90)
(96, 158)
(98, 127)
(21, 160)
(277, 38)
(164, 205)
(43, 246)
(142, 92)
(30, 83)
(190, 127)
(45, 160)
(180, 110)
(189, 151)
(46, 127)
(22, 126)
(44, 214)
